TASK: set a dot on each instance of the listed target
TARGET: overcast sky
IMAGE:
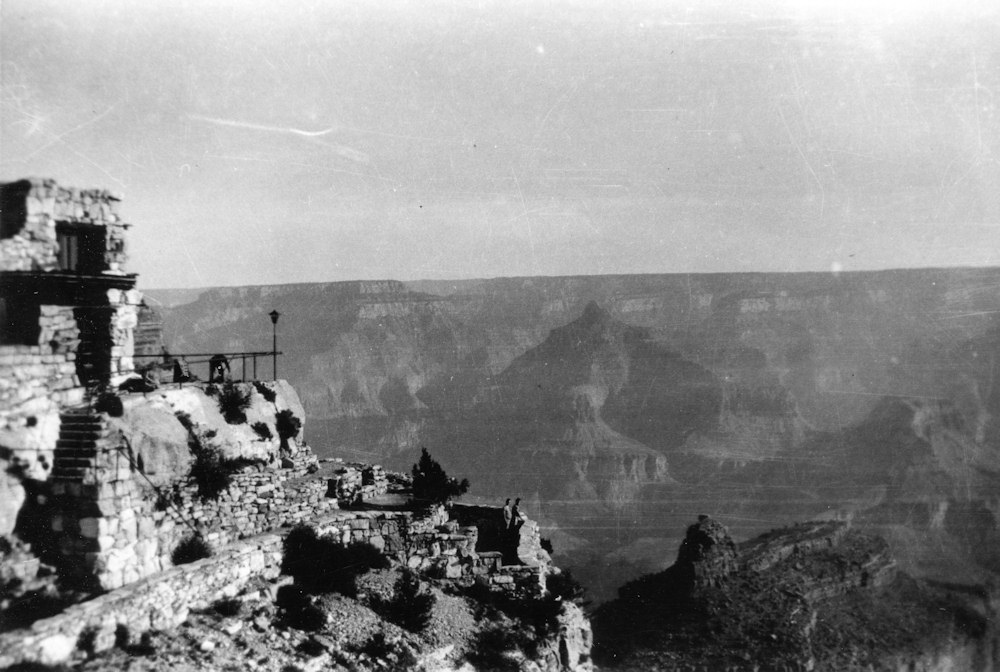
(271, 142)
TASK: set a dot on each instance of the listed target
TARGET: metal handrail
(170, 358)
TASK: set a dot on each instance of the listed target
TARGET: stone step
(75, 452)
(82, 423)
(91, 436)
(75, 475)
(75, 461)
(71, 444)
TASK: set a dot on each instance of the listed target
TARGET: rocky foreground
(266, 628)
(815, 596)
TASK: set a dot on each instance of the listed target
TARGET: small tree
(430, 482)
(411, 604)
(287, 424)
(233, 402)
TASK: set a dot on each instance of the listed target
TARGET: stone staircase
(80, 434)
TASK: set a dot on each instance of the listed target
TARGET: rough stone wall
(489, 520)
(355, 482)
(42, 371)
(429, 542)
(156, 603)
(30, 244)
(124, 320)
(120, 516)
(36, 380)
(117, 529)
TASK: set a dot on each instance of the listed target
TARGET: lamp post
(274, 342)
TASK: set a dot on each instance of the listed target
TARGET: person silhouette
(516, 520)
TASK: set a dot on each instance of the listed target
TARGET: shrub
(191, 548)
(430, 482)
(324, 565)
(410, 606)
(265, 391)
(233, 402)
(185, 419)
(210, 472)
(287, 424)
(262, 430)
(229, 606)
(299, 610)
(110, 403)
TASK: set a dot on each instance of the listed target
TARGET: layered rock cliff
(817, 596)
(865, 395)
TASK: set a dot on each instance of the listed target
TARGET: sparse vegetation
(233, 402)
(262, 430)
(191, 548)
(494, 646)
(110, 403)
(431, 483)
(411, 604)
(210, 472)
(299, 610)
(564, 586)
(287, 424)
(265, 391)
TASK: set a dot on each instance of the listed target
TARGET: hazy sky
(266, 142)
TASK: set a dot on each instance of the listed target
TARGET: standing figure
(516, 521)
(218, 368)
(507, 515)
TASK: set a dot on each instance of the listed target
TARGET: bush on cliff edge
(233, 403)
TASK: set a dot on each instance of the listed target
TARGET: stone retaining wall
(155, 603)
(428, 542)
(120, 530)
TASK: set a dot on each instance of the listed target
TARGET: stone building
(68, 312)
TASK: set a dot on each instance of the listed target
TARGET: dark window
(69, 250)
(81, 248)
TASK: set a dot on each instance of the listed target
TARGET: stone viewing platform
(431, 541)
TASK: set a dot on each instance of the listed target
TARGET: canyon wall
(760, 398)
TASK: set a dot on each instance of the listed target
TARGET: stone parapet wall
(355, 482)
(526, 547)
